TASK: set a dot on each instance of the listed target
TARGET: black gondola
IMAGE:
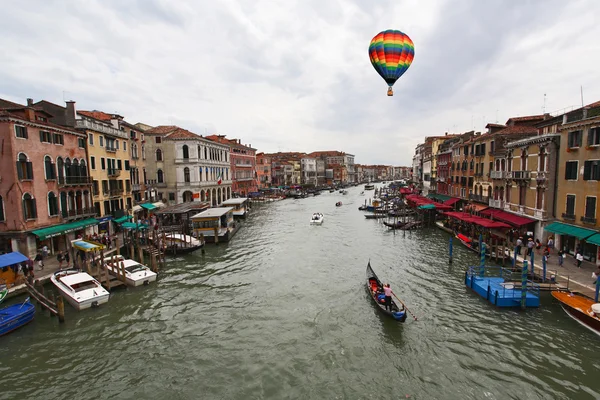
(375, 289)
(395, 225)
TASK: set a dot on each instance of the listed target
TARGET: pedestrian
(530, 246)
(59, 258)
(45, 251)
(538, 245)
(550, 243)
(387, 290)
(560, 258)
(519, 245)
(67, 258)
(40, 260)
(579, 259)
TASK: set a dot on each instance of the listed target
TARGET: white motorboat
(136, 274)
(179, 243)
(317, 219)
(80, 289)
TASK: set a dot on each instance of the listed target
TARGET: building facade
(263, 170)
(308, 170)
(244, 178)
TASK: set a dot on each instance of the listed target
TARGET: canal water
(281, 312)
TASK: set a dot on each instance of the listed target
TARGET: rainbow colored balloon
(391, 53)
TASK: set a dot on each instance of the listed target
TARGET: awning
(159, 204)
(440, 197)
(509, 218)
(474, 219)
(477, 207)
(148, 206)
(136, 208)
(87, 246)
(61, 229)
(11, 258)
(451, 201)
(594, 239)
(123, 219)
(571, 230)
(427, 207)
(131, 225)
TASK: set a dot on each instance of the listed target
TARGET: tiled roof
(181, 133)
(516, 130)
(99, 115)
(528, 118)
(328, 153)
(9, 104)
(162, 130)
(490, 125)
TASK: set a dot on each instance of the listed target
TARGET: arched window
(68, 172)
(205, 153)
(200, 174)
(29, 207)
(75, 168)
(52, 204)
(82, 169)
(2, 215)
(523, 160)
(143, 152)
(63, 204)
(186, 175)
(159, 176)
(24, 167)
(49, 168)
(60, 167)
(186, 151)
(199, 151)
(159, 155)
(542, 160)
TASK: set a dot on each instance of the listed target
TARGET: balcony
(243, 165)
(521, 175)
(569, 217)
(113, 173)
(136, 187)
(115, 192)
(526, 211)
(479, 198)
(186, 160)
(78, 213)
(160, 185)
(498, 174)
(496, 203)
(95, 126)
(541, 176)
(74, 181)
(588, 220)
(441, 179)
(111, 149)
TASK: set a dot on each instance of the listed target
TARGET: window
(571, 170)
(593, 138)
(539, 201)
(542, 160)
(200, 175)
(186, 175)
(591, 170)
(117, 144)
(24, 168)
(52, 204)
(21, 131)
(574, 139)
(143, 152)
(2, 218)
(101, 138)
(29, 208)
(49, 167)
(157, 140)
(45, 137)
(95, 188)
(126, 165)
(105, 186)
(81, 143)
(186, 151)
(570, 209)
(159, 155)
(124, 146)
(59, 139)
(91, 139)
(92, 162)
(171, 196)
(590, 207)
(159, 176)
(102, 162)
(119, 165)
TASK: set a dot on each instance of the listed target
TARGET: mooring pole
(514, 260)
(482, 259)
(450, 250)
(532, 265)
(544, 268)
(524, 285)
(597, 289)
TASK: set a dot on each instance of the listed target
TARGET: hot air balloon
(391, 53)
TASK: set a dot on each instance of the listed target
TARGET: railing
(588, 220)
(136, 187)
(243, 179)
(479, 198)
(570, 217)
(521, 175)
(111, 149)
(115, 192)
(243, 165)
(160, 184)
(541, 176)
(114, 172)
(498, 174)
(186, 160)
(95, 126)
(74, 180)
(526, 211)
(78, 213)
(496, 203)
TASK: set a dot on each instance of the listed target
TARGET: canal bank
(282, 312)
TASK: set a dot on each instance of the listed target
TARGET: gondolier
(387, 290)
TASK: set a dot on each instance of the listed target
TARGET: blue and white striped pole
(482, 260)
(524, 285)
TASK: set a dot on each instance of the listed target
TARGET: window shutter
(29, 170)
(590, 137)
(33, 208)
(41, 136)
(19, 170)
(587, 169)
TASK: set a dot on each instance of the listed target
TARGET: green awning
(427, 207)
(571, 230)
(131, 225)
(440, 197)
(148, 206)
(57, 230)
(122, 219)
(595, 239)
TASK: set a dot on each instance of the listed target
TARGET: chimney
(70, 114)
(585, 112)
(29, 102)
(564, 119)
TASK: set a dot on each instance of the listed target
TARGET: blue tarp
(11, 258)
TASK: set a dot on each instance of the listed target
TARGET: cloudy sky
(295, 75)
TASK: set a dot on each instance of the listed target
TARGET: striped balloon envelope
(391, 53)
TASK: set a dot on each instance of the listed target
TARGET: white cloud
(295, 75)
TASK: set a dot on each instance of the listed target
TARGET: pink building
(243, 165)
(263, 170)
(44, 181)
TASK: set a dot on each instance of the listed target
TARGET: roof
(99, 115)
(9, 104)
(181, 133)
(234, 201)
(161, 130)
(183, 208)
(74, 279)
(495, 126)
(11, 258)
(510, 218)
(213, 212)
(514, 130)
(528, 118)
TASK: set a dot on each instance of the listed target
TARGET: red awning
(452, 201)
(509, 218)
(474, 219)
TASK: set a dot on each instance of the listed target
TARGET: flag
(219, 180)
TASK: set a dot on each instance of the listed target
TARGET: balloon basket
(390, 92)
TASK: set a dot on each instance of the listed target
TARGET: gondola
(395, 225)
(338, 204)
(374, 286)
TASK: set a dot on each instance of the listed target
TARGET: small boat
(136, 274)
(79, 288)
(331, 190)
(317, 219)
(369, 186)
(16, 316)
(362, 208)
(394, 225)
(581, 309)
(338, 204)
(375, 215)
(362, 193)
(179, 243)
(375, 289)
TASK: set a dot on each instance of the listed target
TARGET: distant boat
(369, 186)
(338, 204)
(317, 219)
(179, 243)
(16, 316)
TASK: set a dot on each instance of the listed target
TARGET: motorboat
(80, 289)
(582, 309)
(16, 316)
(136, 274)
(180, 243)
(338, 204)
(369, 186)
(317, 219)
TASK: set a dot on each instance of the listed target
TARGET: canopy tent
(132, 225)
(136, 208)
(571, 230)
(148, 206)
(440, 197)
(122, 219)
(414, 200)
(477, 207)
(451, 201)
(12, 258)
(57, 230)
(159, 204)
(87, 245)
(484, 222)
(509, 218)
